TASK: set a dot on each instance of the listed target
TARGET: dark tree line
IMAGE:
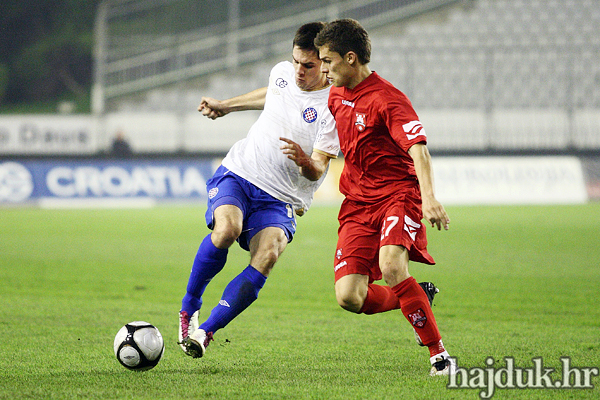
(45, 49)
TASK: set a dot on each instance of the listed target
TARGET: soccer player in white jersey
(264, 180)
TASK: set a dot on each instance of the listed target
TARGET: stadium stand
(485, 75)
(531, 68)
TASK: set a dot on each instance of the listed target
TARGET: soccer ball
(139, 346)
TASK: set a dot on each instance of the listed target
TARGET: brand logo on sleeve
(413, 129)
(281, 82)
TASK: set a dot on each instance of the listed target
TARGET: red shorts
(364, 228)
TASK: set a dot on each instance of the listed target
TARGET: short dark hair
(344, 35)
(305, 36)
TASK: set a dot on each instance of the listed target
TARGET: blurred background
(508, 90)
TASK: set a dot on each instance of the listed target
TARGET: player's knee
(349, 300)
(265, 249)
(393, 263)
(224, 237)
(267, 257)
(393, 273)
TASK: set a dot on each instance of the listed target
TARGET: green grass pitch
(516, 281)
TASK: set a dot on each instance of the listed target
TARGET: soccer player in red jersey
(387, 182)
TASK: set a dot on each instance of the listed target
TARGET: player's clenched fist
(212, 108)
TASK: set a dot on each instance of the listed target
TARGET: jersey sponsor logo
(340, 265)
(411, 227)
(360, 121)
(309, 115)
(213, 192)
(281, 82)
(348, 103)
(418, 318)
(413, 129)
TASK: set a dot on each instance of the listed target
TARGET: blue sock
(238, 295)
(209, 261)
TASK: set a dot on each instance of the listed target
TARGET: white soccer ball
(139, 346)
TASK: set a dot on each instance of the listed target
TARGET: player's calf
(430, 290)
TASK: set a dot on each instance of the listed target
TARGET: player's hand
(212, 108)
(434, 213)
(294, 152)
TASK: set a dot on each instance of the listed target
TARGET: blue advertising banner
(34, 180)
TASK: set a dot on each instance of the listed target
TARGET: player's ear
(351, 57)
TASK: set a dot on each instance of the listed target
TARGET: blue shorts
(260, 209)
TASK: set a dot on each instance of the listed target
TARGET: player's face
(308, 69)
(333, 65)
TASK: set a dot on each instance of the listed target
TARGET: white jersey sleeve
(327, 141)
(291, 113)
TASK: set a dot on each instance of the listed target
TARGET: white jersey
(290, 113)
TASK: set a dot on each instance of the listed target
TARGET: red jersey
(376, 126)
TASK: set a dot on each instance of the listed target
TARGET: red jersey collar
(364, 83)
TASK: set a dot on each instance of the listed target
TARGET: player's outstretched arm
(433, 211)
(313, 167)
(213, 108)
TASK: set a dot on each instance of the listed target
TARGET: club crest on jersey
(360, 121)
(309, 115)
(418, 318)
(213, 192)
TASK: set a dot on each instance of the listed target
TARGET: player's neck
(322, 85)
(362, 73)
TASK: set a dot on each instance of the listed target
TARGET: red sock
(380, 299)
(415, 307)
(436, 349)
